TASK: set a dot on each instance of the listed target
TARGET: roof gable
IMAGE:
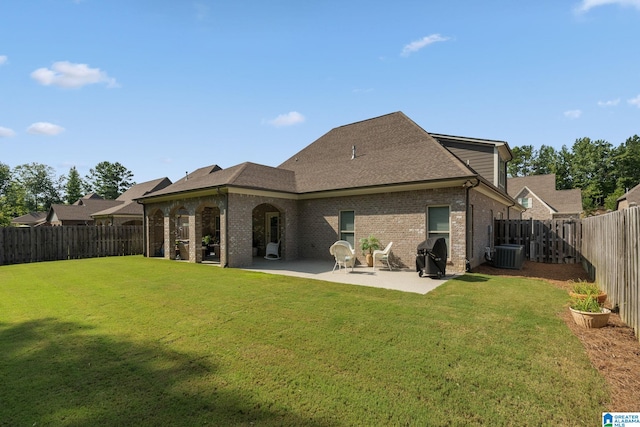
(30, 219)
(631, 196)
(390, 149)
(544, 187)
(141, 189)
(245, 175)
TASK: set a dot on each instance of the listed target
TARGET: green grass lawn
(129, 340)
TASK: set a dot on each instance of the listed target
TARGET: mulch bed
(614, 350)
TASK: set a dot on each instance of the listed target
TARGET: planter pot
(602, 297)
(370, 260)
(591, 320)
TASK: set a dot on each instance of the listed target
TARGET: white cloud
(415, 46)
(6, 132)
(573, 114)
(202, 11)
(611, 103)
(587, 5)
(635, 101)
(288, 119)
(69, 75)
(3, 59)
(44, 128)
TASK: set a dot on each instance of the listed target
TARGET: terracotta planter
(591, 320)
(370, 260)
(601, 297)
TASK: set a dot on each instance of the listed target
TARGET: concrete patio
(400, 280)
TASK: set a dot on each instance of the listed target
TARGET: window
(502, 173)
(438, 223)
(347, 227)
(525, 202)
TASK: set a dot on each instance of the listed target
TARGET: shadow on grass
(63, 373)
(471, 278)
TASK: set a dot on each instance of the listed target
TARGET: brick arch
(208, 230)
(268, 225)
(156, 233)
(179, 230)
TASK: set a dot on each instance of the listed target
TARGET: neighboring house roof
(631, 196)
(127, 206)
(92, 205)
(79, 211)
(92, 196)
(544, 188)
(31, 219)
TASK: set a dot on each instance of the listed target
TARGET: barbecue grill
(431, 257)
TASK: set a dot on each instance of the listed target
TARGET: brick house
(94, 210)
(629, 199)
(538, 195)
(127, 211)
(384, 176)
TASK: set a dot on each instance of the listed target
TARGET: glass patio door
(272, 227)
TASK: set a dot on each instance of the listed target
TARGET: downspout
(468, 236)
(226, 227)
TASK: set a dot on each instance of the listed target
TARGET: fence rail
(23, 245)
(554, 241)
(610, 246)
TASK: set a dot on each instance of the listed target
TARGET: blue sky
(168, 86)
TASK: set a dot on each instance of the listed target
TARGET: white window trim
(436, 232)
(340, 230)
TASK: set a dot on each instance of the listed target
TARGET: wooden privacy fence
(22, 245)
(554, 241)
(612, 257)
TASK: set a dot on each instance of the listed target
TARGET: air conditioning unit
(509, 256)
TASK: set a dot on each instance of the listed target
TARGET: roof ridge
(241, 168)
(372, 118)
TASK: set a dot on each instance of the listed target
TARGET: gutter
(468, 185)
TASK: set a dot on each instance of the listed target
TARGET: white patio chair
(343, 254)
(272, 251)
(347, 244)
(383, 256)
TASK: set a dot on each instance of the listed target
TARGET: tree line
(34, 187)
(603, 172)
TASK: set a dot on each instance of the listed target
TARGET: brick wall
(391, 217)
(537, 210)
(485, 210)
(309, 227)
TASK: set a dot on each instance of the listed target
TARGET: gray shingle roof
(143, 188)
(31, 218)
(391, 149)
(245, 175)
(631, 196)
(81, 211)
(544, 186)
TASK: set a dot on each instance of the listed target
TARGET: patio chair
(343, 254)
(347, 244)
(383, 256)
(272, 251)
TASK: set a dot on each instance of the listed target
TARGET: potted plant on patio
(582, 290)
(368, 245)
(588, 313)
